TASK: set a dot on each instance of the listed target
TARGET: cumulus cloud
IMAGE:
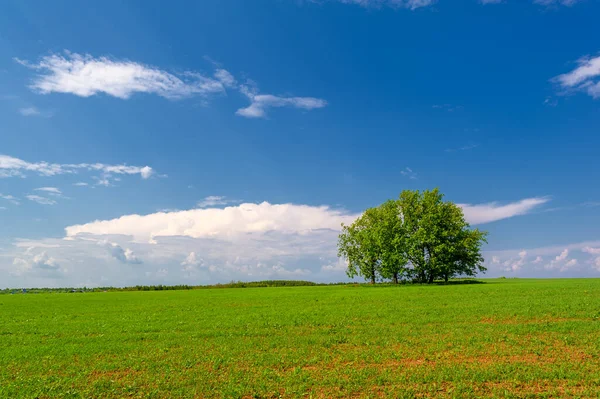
(191, 263)
(513, 265)
(123, 255)
(201, 246)
(33, 263)
(214, 222)
(493, 211)
(574, 260)
(15, 167)
(585, 78)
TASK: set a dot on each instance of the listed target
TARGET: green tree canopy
(419, 236)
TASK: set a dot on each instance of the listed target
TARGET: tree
(358, 245)
(419, 229)
(391, 240)
(440, 243)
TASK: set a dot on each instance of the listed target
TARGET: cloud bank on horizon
(207, 245)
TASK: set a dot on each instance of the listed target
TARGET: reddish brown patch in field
(516, 321)
(114, 375)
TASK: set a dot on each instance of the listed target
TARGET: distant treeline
(232, 284)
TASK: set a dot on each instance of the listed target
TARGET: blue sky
(243, 133)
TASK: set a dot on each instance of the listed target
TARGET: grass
(506, 339)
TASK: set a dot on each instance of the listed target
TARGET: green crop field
(504, 338)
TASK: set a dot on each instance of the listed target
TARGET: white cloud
(15, 167)
(10, 198)
(33, 111)
(568, 260)
(562, 262)
(408, 172)
(586, 77)
(490, 212)
(214, 222)
(491, 1)
(225, 77)
(549, 3)
(563, 255)
(340, 265)
(50, 190)
(192, 263)
(85, 76)
(29, 111)
(409, 4)
(215, 200)
(41, 200)
(34, 263)
(592, 251)
(202, 246)
(260, 103)
(123, 255)
(513, 265)
(81, 184)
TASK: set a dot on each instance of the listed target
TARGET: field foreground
(505, 338)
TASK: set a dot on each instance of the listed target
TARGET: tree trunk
(446, 278)
(373, 273)
(395, 278)
(430, 278)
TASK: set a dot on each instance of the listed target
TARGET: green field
(504, 338)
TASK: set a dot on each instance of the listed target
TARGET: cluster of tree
(418, 237)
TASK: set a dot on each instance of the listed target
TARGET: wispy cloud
(261, 102)
(463, 148)
(585, 78)
(40, 200)
(15, 167)
(408, 172)
(448, 107)
(10, 198)
(215, 200)
(50, 190)
(408, 4)
(545, 3)
(493, 211)
(81, 184)
(550, 3)
(33, 111)
(85, 76)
